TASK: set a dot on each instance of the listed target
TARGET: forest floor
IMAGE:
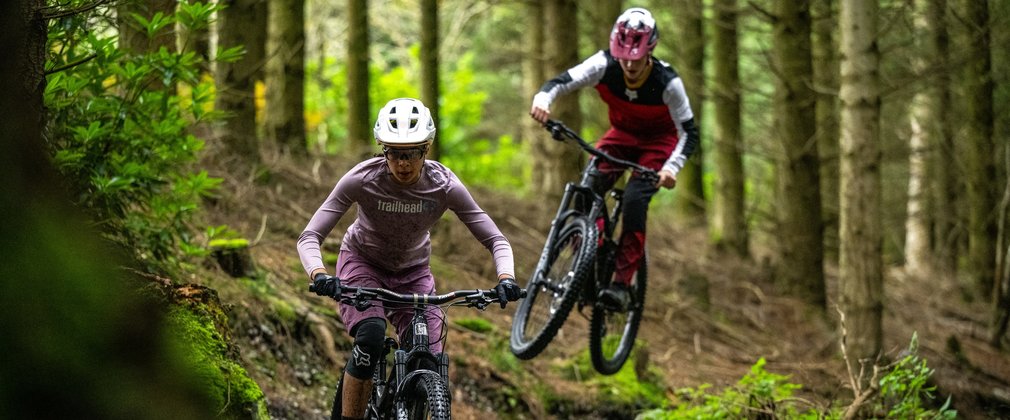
(292, 342)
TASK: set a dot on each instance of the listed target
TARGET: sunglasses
(413, 153)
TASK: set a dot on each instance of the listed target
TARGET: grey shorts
(356, 271)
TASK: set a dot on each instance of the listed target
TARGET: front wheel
(612, 333)
(553, 288)
(429, 398)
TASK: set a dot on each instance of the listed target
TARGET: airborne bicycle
(576, 263)
(416, 386)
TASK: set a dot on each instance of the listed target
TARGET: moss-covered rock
(203, 341)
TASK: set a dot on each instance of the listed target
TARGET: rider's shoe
(616, 296)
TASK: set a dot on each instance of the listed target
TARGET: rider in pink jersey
(651, 123)
(399, 197)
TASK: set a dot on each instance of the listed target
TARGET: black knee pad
(369, 336)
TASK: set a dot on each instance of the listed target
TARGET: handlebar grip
(312, 287)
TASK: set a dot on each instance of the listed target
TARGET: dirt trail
(695, 334)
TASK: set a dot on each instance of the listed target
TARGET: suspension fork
(571, 203)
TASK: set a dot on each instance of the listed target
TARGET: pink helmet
(634, 35)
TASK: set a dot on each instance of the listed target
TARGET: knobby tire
(552, 294)
(627, 322)
(430, 398)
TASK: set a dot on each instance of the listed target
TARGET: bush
(119, 130)
(903, 393)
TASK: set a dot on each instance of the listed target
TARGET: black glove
(507, 290)
(326, 285)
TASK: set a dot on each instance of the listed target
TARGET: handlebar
(361, 297)
(559, 131)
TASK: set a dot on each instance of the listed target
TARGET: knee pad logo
(360, 357)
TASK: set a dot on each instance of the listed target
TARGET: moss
(624, 388)
(284, 311)
(201, 345)
(480, 325)
(329, 260)
(237, 243)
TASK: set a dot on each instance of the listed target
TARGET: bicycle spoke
(554, 291)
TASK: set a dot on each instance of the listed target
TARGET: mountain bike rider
(399, 197)
(651, 124)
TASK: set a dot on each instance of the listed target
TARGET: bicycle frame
(581, 200)
(577, 262)
(406, 364)
(415, 367)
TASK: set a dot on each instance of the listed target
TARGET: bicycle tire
(429, 398)
(338, 398)
(603, 318)
(551, 297)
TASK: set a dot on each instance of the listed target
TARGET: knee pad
(369, 337)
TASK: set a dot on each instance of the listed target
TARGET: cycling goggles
(412, 153)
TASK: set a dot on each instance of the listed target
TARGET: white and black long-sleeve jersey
(659, 108)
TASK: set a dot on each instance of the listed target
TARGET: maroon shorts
(356, 271)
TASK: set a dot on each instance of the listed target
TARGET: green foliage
(903, 393)
(759, 393)
(475, 158)
(905, 389)
(118, 130)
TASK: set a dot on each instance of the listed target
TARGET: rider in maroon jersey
(399, 197)
(651, 123)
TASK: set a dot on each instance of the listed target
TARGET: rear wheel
(430, 398)
(553, 288)
(612, 332)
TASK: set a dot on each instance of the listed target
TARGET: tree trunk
(359, 117)
(285, 76)
(918, 247)
(600, 17)
(861, 268)
(534, 136)
(559, 162)
(800, 252)
(730, 223)
(689, 41)
(236, 81)
(429, 66)
(942, 169)
(140, 375)
(977, 145)
(1001, 290)
(826, 83)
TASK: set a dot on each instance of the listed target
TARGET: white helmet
(404, 121)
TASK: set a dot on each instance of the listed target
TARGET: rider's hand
(507, 290)
(540, 110)
(326, 285)
(666, 179)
